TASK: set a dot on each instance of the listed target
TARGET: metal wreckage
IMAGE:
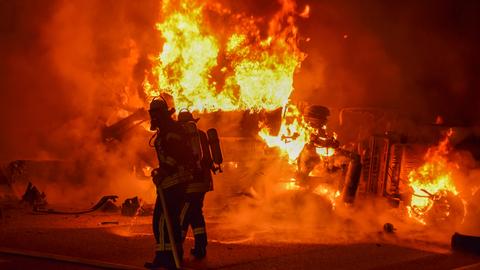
(370, 164)
(377, 162)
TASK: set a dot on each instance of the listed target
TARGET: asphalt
(21, 262)
(85, 242)
(43, 241)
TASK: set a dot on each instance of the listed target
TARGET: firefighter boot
(199, 252)
(200, 249)
(162, 260)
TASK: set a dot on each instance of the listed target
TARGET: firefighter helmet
(159, 105)
(185, 116)
(158, 111)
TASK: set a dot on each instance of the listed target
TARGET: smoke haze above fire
(417, 57)
(68, 66)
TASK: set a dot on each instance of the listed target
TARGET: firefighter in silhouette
(176, 160)
(191, 214)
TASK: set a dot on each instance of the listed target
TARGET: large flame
(213, 59)
(294, 133)
(431, 180)
(228, 64)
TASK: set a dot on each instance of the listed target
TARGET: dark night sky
(57, 59)
(417, 56)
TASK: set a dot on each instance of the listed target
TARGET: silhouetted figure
(174, 171)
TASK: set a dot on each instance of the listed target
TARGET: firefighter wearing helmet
(175, 162)
(191, 215)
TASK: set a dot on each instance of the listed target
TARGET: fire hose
(156, 175)
(97, 206)
(169, 227)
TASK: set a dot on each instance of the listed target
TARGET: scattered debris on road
(135, 207)
(97, 206)
(466, 243)
(109, 223)
(34, 197)
(389, 228)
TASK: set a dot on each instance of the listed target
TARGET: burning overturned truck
(409, 172)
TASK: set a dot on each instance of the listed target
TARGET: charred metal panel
(403, 159)
(392, 185)
(375, 160)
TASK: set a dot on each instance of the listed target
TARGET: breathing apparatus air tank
(193, 134)
(207, 161)
(214, 142)
(352, 179)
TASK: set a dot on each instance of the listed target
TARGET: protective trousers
(192, 215)
(174, 198)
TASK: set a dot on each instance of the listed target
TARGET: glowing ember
(328, 192)
(294, 133)
(325, 151)
(207, 66)
(432, 181)
(292, 185)
(306, 12)
(147, 171)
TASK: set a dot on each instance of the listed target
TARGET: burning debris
(434, 198)
(135, 207)
(97, 206)
(304, 140)
(130, 207)
(119, 129)
(296, 133)
(389, 228)
(8, 176)
(34, 197)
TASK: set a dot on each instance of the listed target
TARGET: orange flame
(306, 12)
(432, 179)
(328, 192)
(294, 133)
(207, 66)
(292, 185)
